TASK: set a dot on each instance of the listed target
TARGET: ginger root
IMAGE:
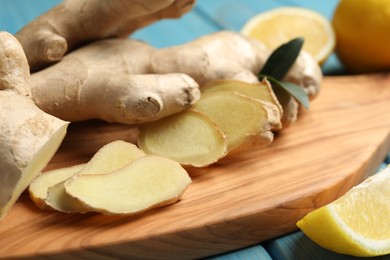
(114, 74)
(134, 83)
(73, 23)
(29, 137)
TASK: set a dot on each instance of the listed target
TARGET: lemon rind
(334, 234)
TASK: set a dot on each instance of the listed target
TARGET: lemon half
(277, 26)
(357, 223)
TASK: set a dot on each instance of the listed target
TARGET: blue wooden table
(207, 17)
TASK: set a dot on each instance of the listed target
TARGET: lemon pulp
(280, 25)
(356, 223)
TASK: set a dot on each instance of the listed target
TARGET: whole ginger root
(131, 81)
(134, 83)
(73, 23)
(115, 85)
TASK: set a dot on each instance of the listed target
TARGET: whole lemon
(363, 34)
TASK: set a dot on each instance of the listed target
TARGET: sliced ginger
(110, 157)
(146, 183)
(261, 90)
(59, 200)
(287, 106)
(190, 138)
(39, 187)
(245, 121)
(119, 179)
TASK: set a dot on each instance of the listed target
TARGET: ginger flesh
(29, 137)
(39, 187)
(286, 104)
(110, 157)
(261, 91)
(189, 138)
(246, 122)
(146, 183)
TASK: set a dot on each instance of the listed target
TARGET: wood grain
(261, 195)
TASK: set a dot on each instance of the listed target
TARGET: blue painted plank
(387, 160)
(296, 246)
(16, 13)
(232, 14)
(171, 32)
(256, 252)
(383, 166)
(326, 8)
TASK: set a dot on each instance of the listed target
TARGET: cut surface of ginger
(36, 163)
(109, 158)
(148, 182)
(112, 156)
(261, 90)
(245, 121)
(38, 189)
(189, 138)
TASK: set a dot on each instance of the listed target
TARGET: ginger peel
(73, 23)
(29, 137)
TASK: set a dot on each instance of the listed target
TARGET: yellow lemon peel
(356, 223)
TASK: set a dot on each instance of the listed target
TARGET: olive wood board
(336, 144)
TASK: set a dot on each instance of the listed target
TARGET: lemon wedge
(357, 223)
(278, 26)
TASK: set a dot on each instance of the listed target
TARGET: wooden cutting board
(336, 144)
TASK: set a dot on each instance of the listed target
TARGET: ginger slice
(148, 182)
(110, 157)
(287, 106)
(261, 90)
(189, 138)
(39, 187)
(245, 121)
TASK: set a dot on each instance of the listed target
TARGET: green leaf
(294, 90)
(277, 66)
(281, 60)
